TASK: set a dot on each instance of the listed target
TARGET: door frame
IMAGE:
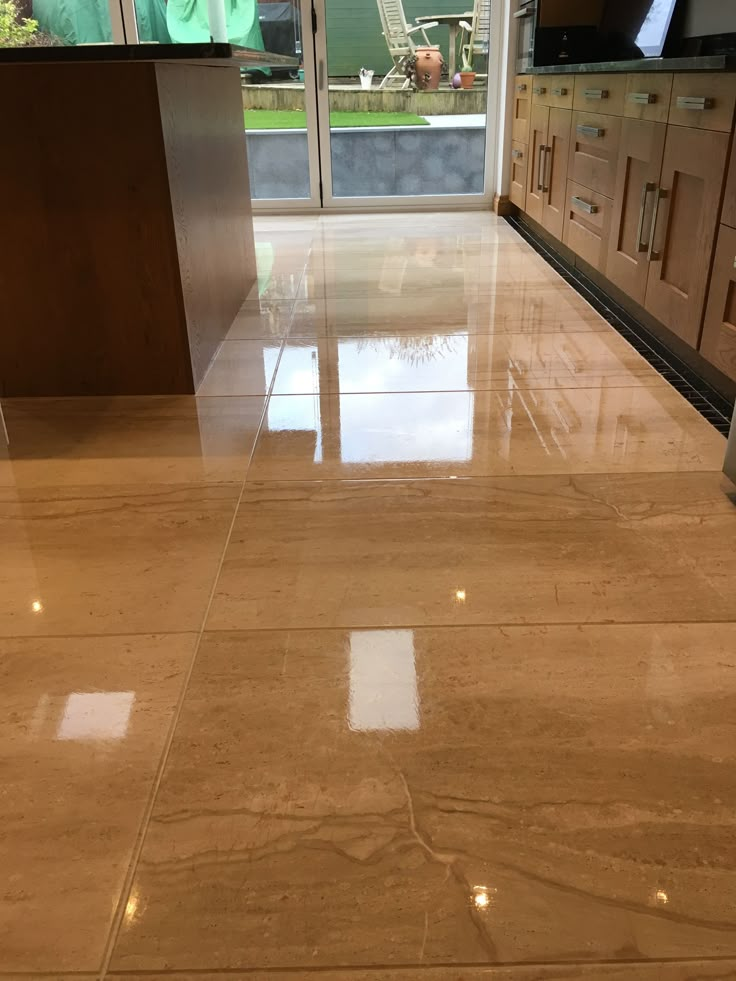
(316, 95)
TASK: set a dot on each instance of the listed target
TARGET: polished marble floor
(406, 650)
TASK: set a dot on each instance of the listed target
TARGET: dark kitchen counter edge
(701, 63)
(221, 55)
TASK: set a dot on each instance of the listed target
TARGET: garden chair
(476, 35)
(399, 39)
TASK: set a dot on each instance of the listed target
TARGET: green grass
(293, 119)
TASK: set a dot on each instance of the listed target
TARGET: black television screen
(643, 23)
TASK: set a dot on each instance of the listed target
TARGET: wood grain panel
(202, 124)
(517, 191)
(558, 152)
(637, 176)
(692, 179)
(594, 143)
(539, 124)
(657, 86)
(555, 91)
(90, 286)
(719, 89)
(522, 108)
(729, 197)
(587, 233)
(600, 93)
(718, 343)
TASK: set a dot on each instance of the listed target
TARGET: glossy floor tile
(500, 550)
(516, 309)
(90, 440)
(459, 362)
(110, 559)
(82, 728)
(471, 795)
(404, 650)
(483, 433)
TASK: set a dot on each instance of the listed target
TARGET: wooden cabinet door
(538, 124)
(594, 143)
(555, 173)
(684, 228)
(517, 189)
(522, 105)
(637, 177)
(718, 343)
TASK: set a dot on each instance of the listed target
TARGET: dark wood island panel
(127, 240)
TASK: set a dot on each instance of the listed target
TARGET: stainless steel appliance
(526, 20)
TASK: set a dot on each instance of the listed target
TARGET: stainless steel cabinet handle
(521, 87)
(547, 149)
(653, 255)
(645, 192)
(642, 98)
(321, 76)
(589, 209)
(595, 93)
(517, 154)
(539, 90)
(559, 91)
(525, 12)
(591, 131)
(540, 167)
(693, 102)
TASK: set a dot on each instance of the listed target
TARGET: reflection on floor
(406, 650)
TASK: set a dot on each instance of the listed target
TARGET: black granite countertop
(207, 53)
(700, 63)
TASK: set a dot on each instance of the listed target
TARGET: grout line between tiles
(137, 850)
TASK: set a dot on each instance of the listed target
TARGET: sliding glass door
(390, 106)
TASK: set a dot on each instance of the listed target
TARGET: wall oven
(525, 16)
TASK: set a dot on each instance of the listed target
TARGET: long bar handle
(653, 255)
(547, 149)
(646, 190)
(642, 98)
(594, 131)
(540, 168)
(595, 93)
(693, 102)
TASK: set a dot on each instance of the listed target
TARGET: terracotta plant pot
(428, 69)
(467, 79)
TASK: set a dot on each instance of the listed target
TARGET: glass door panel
(396, 123)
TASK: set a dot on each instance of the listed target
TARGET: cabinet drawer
(594, 144)
(522, 106)
(587, 224)
(517, 190)
(553, 90)
(600, 93)
(703, 101)
(648, 96)
(718, 343)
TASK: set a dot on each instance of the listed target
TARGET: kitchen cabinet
(538, 126)
(517, 190)
(587, 223)
(637, 177)
(648, 96)
(718, 343)
(549, 148)
(600, 93)
(522, 108)
(594, 144)
(683, 228)
(703, 101)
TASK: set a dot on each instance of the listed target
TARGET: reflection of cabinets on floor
(628, 171)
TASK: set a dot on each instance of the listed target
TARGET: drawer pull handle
(539, 90)
(559, 91)
(693, 102)
(540, 168)
(653, 255)
(517, 154)
(521, 87)
(643, 98)
(591, 131)
(645, 192)
(589, 209)
(595, 93)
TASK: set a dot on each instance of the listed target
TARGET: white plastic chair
(476, 36)
(399, 39)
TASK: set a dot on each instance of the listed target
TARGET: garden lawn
(294, 119)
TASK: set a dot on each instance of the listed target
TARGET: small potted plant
(467, 75)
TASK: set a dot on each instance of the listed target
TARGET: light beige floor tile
(128, 440)
(82, 728)
(261, 319)
(518, 431)
(517, 310)
(501, 550)
(111, 559)
(242, 367)
(439, 796)
(459, 362)
(717, 970)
